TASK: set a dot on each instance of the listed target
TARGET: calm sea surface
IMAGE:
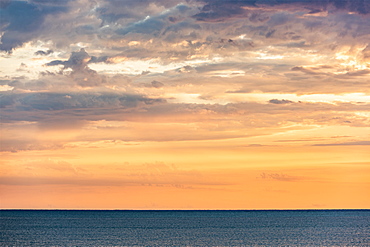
(185, 228)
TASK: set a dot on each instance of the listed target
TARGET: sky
(185, 104)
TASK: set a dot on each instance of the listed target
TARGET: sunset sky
(185, 104)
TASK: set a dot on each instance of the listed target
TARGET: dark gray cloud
(50, 2)
(280, 102)
(67, 110)
(63, 101)
(126, 11)
(77, 61)
(169, 121)
(43, 53)
(22, 21)
(220, 10)
(170, 22)
(156, 84)
(81, 73)
(4, 3)
(156, 24)
(150, 25)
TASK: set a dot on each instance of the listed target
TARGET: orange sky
(184, 105)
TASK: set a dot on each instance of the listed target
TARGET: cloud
(309, 71)
(279, 102)
(156, 84)
(148, 174)
(355, 143)
(280, 177)
(113, 11)
(43, 53)
(63, 101)
(4, 3)
(148, 25)
(12, 145)
(204, 61)
(35, 181)
(81, 73)
(77, 61)
(59, 166)
(22, 21)
(218, 10)
(110, 105)
(172, 20)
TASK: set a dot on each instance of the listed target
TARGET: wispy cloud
(355, 143)
(281, 177)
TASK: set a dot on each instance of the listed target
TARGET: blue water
(185, 228)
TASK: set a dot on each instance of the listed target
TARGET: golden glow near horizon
(196, 105)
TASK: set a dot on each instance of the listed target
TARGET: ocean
(184, 228)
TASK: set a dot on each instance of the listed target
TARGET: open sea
(185, 228)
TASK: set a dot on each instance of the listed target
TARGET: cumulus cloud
(77, 61)
(81, 73)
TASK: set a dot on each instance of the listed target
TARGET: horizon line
(97, 209)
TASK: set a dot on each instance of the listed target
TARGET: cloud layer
(90, 82)
(256, 63)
